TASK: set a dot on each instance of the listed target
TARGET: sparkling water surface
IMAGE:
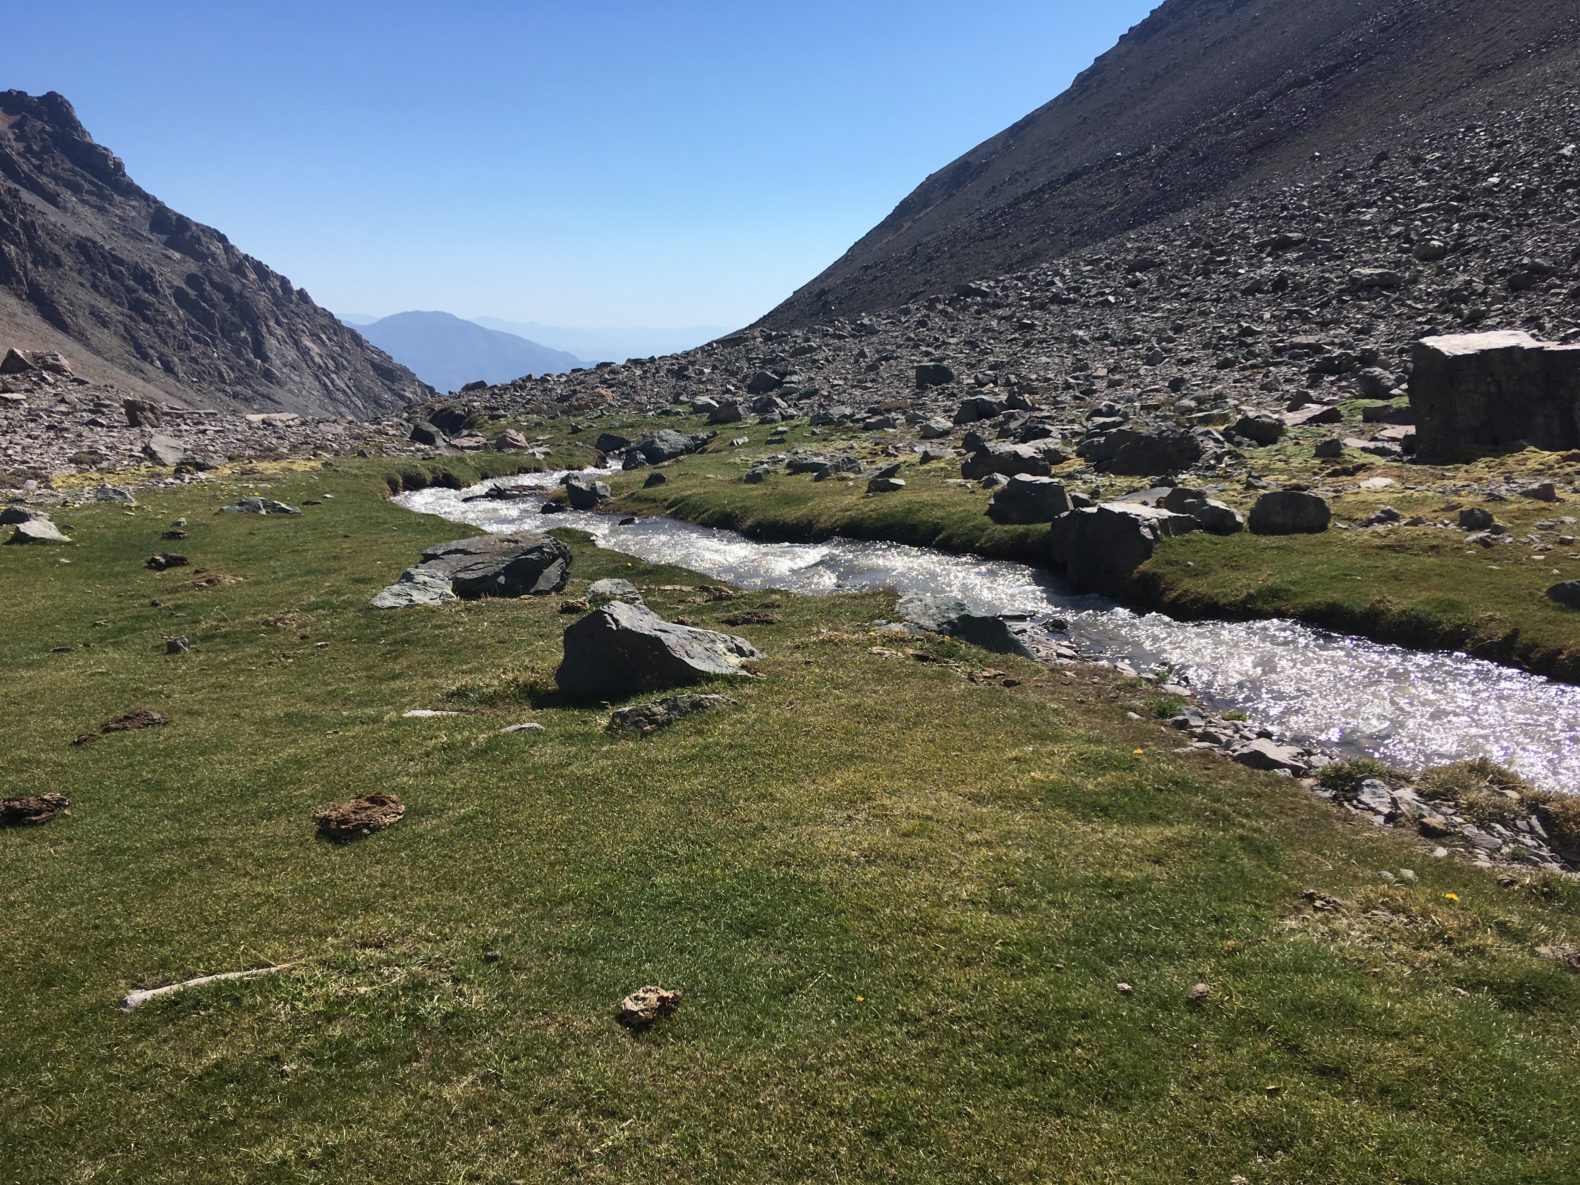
(1409, 708)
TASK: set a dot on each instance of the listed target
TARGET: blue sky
(571, 162)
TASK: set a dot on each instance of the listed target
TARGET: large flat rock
(1478, 391)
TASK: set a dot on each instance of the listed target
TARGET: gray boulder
(933, 374)
(1263, 430)
(10, 515)
(664, 445)
(1273, 758)
(1374, 383)
(1007, 460)
(141, 413)
(1484, 390)
(164, 450)
(428, 436)
(1290, 512)
(623, 649)
(980, 407)
(1566, 593)
(523, 564)
(585, 495)
(1027, 499)
(1139, 454)
(416, 586)
(941, 614)
(1216, 518)
(1099, 547)
(728, 412)
(37, 530)
(118, 495)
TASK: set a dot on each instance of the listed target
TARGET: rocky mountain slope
(1201, 101)
(140, 297)
(1279, 304)
(447, 352)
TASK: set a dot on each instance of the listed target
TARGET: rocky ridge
(150, 302)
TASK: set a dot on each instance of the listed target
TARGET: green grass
(1421, 587)
(898, 903)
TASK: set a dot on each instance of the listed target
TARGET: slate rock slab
(941, 614)
(623, 649)
(416, 586)
(37, 530)
(516, 565)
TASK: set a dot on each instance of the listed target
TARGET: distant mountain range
(447, 352)
(610, 345)
(141, 297)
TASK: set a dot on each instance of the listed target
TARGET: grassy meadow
(937, 915)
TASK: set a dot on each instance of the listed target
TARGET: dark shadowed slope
(139, 296)
(448, 352)
(1201, 97)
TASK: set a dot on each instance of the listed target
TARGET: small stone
(177, 645)
(1124, 989)
(264, 506)
(646, 1005)
(530, 726)
(1199, 993)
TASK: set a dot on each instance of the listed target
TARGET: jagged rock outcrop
(141, 297)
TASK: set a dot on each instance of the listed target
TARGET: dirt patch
(750, 617)
(1569, 956)
(359, 817)
(216, 580)
(27, 809)
(133, 721)
(646, 1005)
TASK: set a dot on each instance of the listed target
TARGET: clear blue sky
(578, 162)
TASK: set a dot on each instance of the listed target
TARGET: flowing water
(1409, 708)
